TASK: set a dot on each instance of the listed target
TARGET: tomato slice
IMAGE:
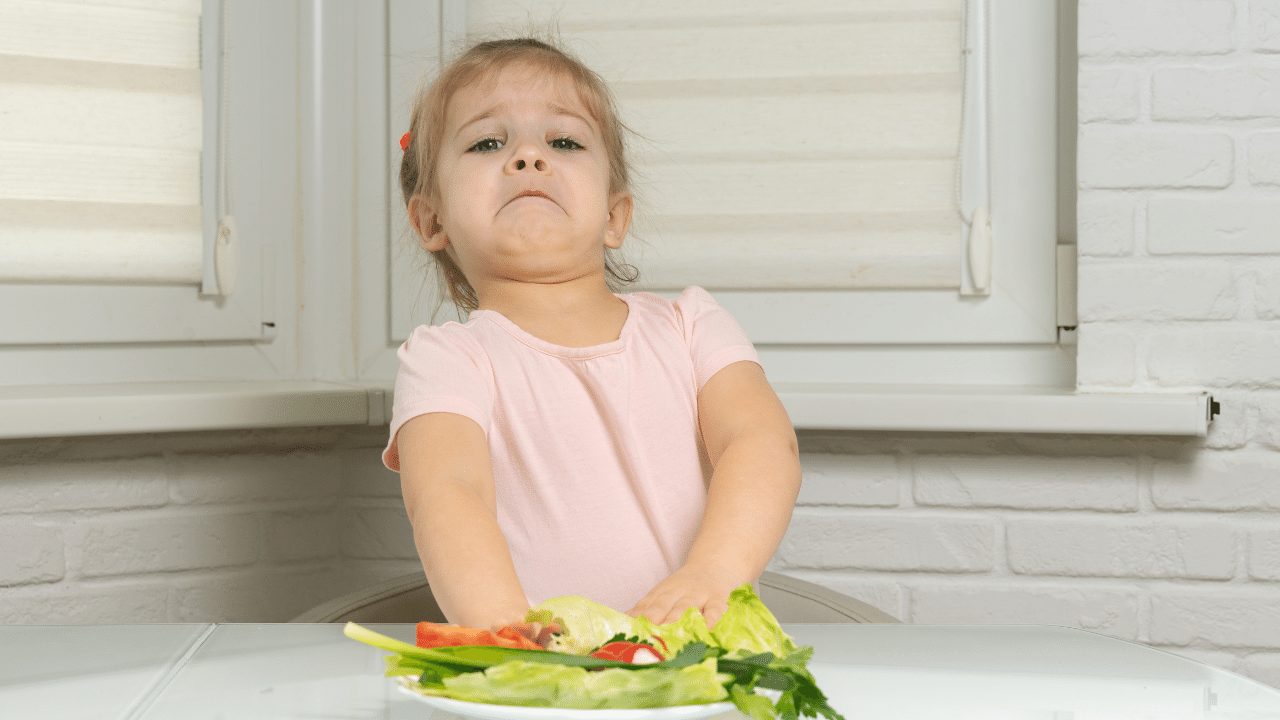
(431, 635)
(622, 651)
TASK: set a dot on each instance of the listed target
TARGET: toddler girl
(568, 439)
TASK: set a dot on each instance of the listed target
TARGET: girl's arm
(755, 480)
(447, 482)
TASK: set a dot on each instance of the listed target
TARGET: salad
(602, 658)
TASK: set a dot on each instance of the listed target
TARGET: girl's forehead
(512, 88)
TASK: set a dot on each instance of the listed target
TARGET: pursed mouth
(532, 197)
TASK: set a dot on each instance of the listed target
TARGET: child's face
(484, 164)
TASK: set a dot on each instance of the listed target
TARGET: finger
(713, 612)
(654, 608)
(677, 610)
(654, 615)
(659, 612)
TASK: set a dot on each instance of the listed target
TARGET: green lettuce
(746, 658)
(544, 685)
(691, 627)
(584, 624)
(747, 626)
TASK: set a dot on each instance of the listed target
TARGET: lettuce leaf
(584, 624)
(691, 627)
(543, 685)
(747, 627)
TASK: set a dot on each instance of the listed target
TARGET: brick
(1238, 93)
(1266, 289)
(1218, 481)
(1215, 358)
(1156, 27)
(102, 484)
(71, 604)
(1027, 482)
(301, 535)
(1144, 549)
(842, 540)
(378, 533)
(857, 480)
(1264, 158)
(145, 544)
(1217, 617)
(252, 596)
(1108, 94)
(1156, 290)
(1113, 613)
(1213, 226)
(249, 477)
(1105, 224)
(30, 553)
(1263, 667)
(1264, 555)
(1264, 20)
(1105, 357)
(1115, 157)
(1267, 432)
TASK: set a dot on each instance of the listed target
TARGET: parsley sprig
(799, 696)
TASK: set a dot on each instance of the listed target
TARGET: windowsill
(73, 410)
(995, 408)
(109, 409)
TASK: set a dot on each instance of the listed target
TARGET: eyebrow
(557, 109)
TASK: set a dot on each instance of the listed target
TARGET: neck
(585, 298)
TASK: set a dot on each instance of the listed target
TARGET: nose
(525, 155)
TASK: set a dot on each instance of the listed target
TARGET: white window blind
(101, 136)
(793, 146)
(805, 163)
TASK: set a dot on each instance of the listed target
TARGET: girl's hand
(704, 588)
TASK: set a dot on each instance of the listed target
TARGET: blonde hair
(482, 61)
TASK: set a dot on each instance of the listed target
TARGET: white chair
(408, 599)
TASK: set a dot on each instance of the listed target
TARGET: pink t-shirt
(599, 468)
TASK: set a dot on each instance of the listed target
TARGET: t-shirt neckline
(550, 348)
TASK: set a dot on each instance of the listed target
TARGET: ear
(426, 224)
(620, 207)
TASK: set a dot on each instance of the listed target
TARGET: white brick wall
(212, 527)
(1172, 542)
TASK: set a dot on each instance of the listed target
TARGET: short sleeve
(714, 336)
(441, 370)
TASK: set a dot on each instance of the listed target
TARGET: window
(803, 169)
(129, 316)
(131, 199)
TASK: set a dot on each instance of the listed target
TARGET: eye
(483, 147)
(571, 141)
(482, 142)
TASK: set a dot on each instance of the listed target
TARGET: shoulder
(438, 342)
(691, 302)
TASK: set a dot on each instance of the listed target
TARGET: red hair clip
(404, 141)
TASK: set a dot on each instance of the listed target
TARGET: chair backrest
(408, 599)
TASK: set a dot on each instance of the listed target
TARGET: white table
(869, 672)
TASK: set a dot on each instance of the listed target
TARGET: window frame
(260, 91)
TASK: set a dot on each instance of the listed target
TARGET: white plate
(521, 712)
